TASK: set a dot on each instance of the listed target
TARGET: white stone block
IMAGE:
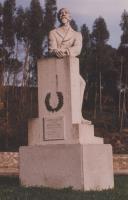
(60, 75)
(82, 167)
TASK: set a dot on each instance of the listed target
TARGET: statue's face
(64, 16)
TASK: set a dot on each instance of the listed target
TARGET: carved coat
(71, 41)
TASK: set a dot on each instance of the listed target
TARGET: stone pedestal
(83, 167)
(63, 151)
(59, 82)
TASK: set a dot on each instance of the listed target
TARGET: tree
(1, 12)
(123, 52)
(124, 27)
(74, 25)
(36, 29)
(8, 23)
(22, 27)
(1, 35)
(30, 32)
(100, 36)
(8, 44)
(8, 38)
(85, 57)
(21, 24)
(50, 15)
(86, 51)
(18, 29)
(37, 33)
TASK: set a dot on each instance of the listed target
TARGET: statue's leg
(82, 88)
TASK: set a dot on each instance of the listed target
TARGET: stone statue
(64, 41)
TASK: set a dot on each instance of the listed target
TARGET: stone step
(98, 140)
(86, 135)
(86, 130)
(93, 140)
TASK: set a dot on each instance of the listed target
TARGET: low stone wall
(9, 163)
(120, 163)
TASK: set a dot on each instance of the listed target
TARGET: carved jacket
(71, 41)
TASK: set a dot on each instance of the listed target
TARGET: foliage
(123, 81)
(13, 130)
(50, 15)
(36, 29)
(85, 55)
(100, 34)
(74, 25)
(124, 27)
(8, 23)
(22, 34)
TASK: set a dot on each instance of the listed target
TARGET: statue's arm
(52, 44)
(77, 46)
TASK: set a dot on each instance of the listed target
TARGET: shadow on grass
(9, 181)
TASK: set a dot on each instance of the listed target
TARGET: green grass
(11, 190)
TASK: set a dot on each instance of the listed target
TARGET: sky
(86, 11)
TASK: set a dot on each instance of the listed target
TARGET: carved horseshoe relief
(59, 104)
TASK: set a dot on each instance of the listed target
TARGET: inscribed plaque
(53, 128)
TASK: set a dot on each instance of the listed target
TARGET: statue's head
(64, 16)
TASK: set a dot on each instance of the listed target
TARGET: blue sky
(86, 11)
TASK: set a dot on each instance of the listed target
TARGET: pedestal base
(82, 167)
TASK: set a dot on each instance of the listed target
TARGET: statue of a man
(64, 41)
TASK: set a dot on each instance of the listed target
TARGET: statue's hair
(58, 14)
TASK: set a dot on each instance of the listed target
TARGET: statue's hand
(60, 53)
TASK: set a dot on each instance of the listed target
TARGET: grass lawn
(11, 190)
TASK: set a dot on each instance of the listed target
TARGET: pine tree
(124, 27)
(20, 24)
(8, 23)
(37, 35)
(100, 36)
(8, 44)
(36, 29)
(74, 25)
(85, 61)
(86, 50)
(22, 28)
(50, 15)
(1, 35)
(123, 52)
(123, 48)
(1, 11)
(8, 38)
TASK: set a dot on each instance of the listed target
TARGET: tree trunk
(100, 92)
(95, 102)
(121, 69)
